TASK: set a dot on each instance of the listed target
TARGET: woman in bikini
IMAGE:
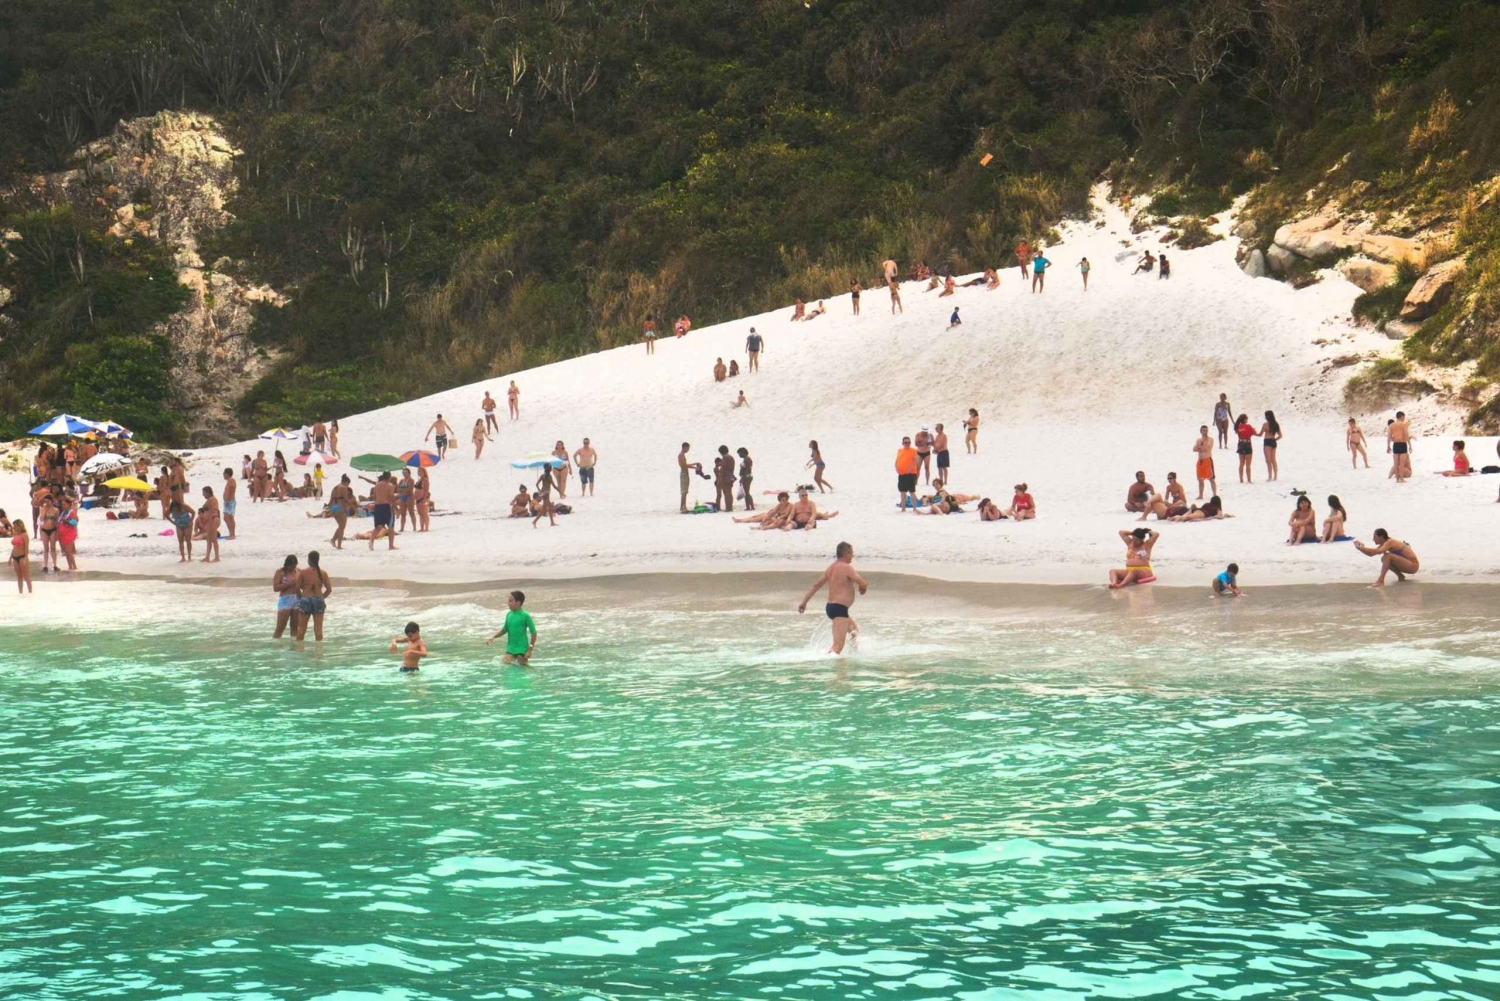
(333, 439)
(1138, 546)
(1396, 557)
(47, 529)
(284, 583)
(404, 508)
(1333, 525)
(20, 557)
(816, 464)
(340, 506)
(650, 333)
(944, 502)
(1270, 434)
(560, 473)
(854, 291)
(478, 436)
(971, 432)
(1354, 441)
(1302, 523)
(421, 499)
(181, 517)
(990, 511)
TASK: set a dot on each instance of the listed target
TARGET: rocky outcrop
(1370, 276)
(1347, 241)
(168, 177)
(1432, 290)
(1255, 264)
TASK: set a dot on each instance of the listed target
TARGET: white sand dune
(1076, 390)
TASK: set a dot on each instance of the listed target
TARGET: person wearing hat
(754, 344)
(924, 452)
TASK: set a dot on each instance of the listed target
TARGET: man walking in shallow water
(842, 580)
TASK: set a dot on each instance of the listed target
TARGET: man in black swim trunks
(441, 429)
(383, 496)
(842, 580)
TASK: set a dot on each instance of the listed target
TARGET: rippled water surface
(1083, 798)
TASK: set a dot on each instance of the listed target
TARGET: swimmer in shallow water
(416, 649)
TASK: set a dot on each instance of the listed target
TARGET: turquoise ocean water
(1077, 797)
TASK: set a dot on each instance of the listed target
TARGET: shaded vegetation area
(453, 189)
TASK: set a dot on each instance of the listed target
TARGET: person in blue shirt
(1224, 583)
(1039, 266)
(954, 321)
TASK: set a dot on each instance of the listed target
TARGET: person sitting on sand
(805, 513)
(991, 279)
(720, 371)
(5, 528)
(947, 288)
(1165, 269)
(1303, 523)
(1396, 557)
(1147, 264)
(1139, 492)
(953, 320)
(741, 402)
(990, 511)
(1022, 505)
(933, 283)
(775, 517)
(1138, 546)
(520, 504)
(799, 311)
(817, 311)
(1212, 510)
(1461, 465)
(734, 368)
(1156, 504)
(1333, 525)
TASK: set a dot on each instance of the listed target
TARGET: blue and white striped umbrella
(537, 461)
(113, 430)
(65, 424)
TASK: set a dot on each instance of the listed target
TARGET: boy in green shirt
(518, 627)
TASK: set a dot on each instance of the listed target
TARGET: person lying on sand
(1138, 546)
(1208, 512)
(818, 311)
(945, 502)
(772, 518)
(991, 279)
(990, 511)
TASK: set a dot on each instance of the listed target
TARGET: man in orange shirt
(907, 465)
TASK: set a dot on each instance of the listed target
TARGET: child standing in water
(416, 649)
(519, 630)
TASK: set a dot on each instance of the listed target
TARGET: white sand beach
(1076, 391)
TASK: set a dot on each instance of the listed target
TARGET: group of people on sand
(680, 329)
(727, 474)
(787, 516)
(1171, 504)
(1150, 262)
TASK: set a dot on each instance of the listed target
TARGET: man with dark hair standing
(842, 580)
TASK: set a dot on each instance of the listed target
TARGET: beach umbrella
(375, 462)
(103, 461)
(112, 430)
(420, 458)
(537, 462)
(64, 424)
(128, 483)
(281, 434)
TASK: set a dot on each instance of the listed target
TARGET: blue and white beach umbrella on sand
(64, 424)
(536, 460)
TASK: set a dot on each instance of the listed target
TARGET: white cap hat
(924, 427)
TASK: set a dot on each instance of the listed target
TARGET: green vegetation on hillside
(449, 189)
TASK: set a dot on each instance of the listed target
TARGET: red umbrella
(421, 458)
